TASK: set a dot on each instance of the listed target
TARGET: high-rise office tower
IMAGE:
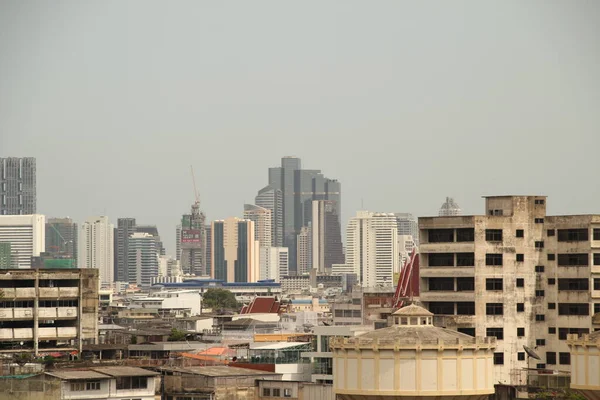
(299, 188)
(262, 223)
(326, 239)
(272, 199)
(449, 208)
(152, 230)
(143, 258)
(24, 237)
(61, 238)
(235, 252)
(515, 273)
(407, 225)
(178, 242)
(96, 247)
(372, 248)
(193, 242)
(125, 228)
(208, 249)
(17, 186)
(304, 253)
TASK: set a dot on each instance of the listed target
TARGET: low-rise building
(274, 390)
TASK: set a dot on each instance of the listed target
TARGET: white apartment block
(274, 263)
(26, 235)
(96, 247)
(304, 256)
(143, 258)
(372, 248)
(262, 223)
(514, 273)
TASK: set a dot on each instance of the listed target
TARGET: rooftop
(100, 373)
(217, 371)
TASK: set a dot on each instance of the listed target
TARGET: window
(573, 259)
(493, 259)
(493, 284)
(539, 245)
(596, 283)
(493, 235)
(465, 284)
(540, 366)
(521, 356)
(441, 260)
(496, 213)
(132, 382)
(539, 201)
(564, 358)
(520, 307)
(596, 308)
(550, 358)
(596, 258)
(596, 233)
(539, 293)
(573, 235)
(552, 330)
(563, 332)
(85, 385)
(573, 309)
(276, 392)
(442, 308)
(266, 392)
(287, 392)
(441, 235)
(498, 358)
(465, 235)
(540, 342)
(539, 268)
(444, 284)
(465, 259)
(540, 317)
(520, 233)
(551, 257)
(467, 331)
(520, 282)
(520, 257)
(465, 308)
(497, 332)
(550, 232)
(539, 220)
(493, 309)
(573, 284)
(520, 332)
(551, 281)
(551, 306)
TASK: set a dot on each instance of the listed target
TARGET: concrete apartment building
(46, 310)
(17, 186)
(514, 273)
(22, 237)
(96, 247)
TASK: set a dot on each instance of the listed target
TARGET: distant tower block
(450, 208)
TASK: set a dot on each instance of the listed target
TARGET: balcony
(24, 293)
(447, 272)
(51, 333)
(447, 247)
(67, 312)
(22, 313)
(68, 292)
(47, 312)
(23, 333)
(441, 295)
(58, 292)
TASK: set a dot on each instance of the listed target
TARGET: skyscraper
(450, 208)
(372, 248)
(125, 228)
(262, 223)
(326, 236)
(61, 238)
(17, 186)
(407, 225)
(25, 234)
(208, 249)
(143, 254)
(96, 247)
(193, 242)
(235, 252)
(272, 199)
(304, 253)
(299, 188)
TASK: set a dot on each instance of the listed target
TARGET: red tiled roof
(262, 305)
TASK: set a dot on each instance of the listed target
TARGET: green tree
(219, 299)
(22, 358)
(176, 335)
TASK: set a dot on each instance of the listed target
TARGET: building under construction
(193, 242)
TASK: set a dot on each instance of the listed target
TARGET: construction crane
(405, 288)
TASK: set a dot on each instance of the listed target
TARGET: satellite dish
(531, 353)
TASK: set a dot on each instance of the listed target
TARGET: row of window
(497, 259)
(567, 284)
(276, 392)
(468, 308)
(564, 358)
(496, 235)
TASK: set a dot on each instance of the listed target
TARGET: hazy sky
(404, 102)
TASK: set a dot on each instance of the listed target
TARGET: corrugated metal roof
(216, 371)
(70, 375)
(125, 371)
(279, 345)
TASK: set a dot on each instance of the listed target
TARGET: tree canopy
(219, 299)
(176, 335)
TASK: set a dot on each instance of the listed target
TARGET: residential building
(235, 252)
(178, 242)
(96, 247)
(304, 251)
(299, 188)
(61, 238)
(169, 300)
(515, 273)
(17, 186)
(272, 199)
(372, 248)
(193, 242)
(273, 389)
(46, 310)
(125, 228)
(408, 225)
(208, 249)
(262, 223)
(327, 248)
(143, 258)
(449, 208)
(274, 263)
(26, 235)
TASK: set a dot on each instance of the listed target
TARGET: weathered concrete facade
(514, 273)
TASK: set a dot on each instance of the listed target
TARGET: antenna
(196, 196)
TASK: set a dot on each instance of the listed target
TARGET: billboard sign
(190, 236)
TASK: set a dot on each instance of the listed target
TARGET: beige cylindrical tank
(412, 359)
(585, 364)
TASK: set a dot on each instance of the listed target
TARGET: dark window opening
(573, 235)
(551, 358)
(465, 308)
(573, 284)
(596, 283)
(573, 259)
(441, 308)
(596, 258)
(573, 309)
(550, 232)
(520, 233)
(497, 332)
(552, 330)
(493, 284)
(520, 332)
(465, 235)
(467, 331)
(446, 284)
(539, 268)
(539, 245)
(596, 233)
(551, 257)
(563, 332)
(539, 201)
(441, 259)
(539, 293)
(493, 259)
(465, 259)
(465, 284)
(564, 358)
(540, 342)
(441, 235)
(520, 307)
(551, 306)
(540, 317)
(494, 309)
(539, 220)
(520, 257)
(521, 356)
(498, 358)
(493, 235)
(520, 282)
(551, 281)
